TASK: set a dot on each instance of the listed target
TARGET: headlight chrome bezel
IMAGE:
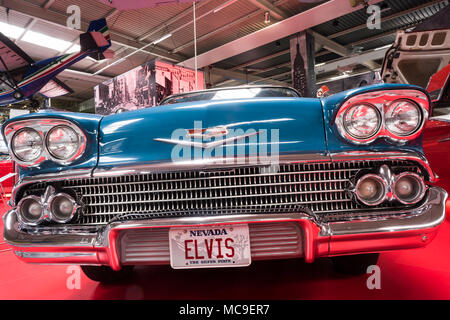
(52, 154)
(43, 126)
(389, 110)
(383, 100)
(345, 125)
(14, 151)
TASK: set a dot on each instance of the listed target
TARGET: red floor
(407, 274)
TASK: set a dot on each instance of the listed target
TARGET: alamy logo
(374, 19)
(228, 143)
(374, 280)
(74, 279)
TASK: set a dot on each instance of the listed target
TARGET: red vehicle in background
(6, 167)
(422, 57)
(436, 141)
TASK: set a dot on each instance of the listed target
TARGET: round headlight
(362, 121)
(27, 145)
(30, 210)
(403, 117)
(63, 142)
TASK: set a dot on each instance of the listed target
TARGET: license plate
(210, 247)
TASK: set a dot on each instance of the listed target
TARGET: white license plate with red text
(210, 246)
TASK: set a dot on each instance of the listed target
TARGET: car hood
(212, 129)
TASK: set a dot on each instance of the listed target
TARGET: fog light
(409, 188)
(371, 190)
(62, 207)
(30, 210)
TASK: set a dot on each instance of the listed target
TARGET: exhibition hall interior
(224, 149)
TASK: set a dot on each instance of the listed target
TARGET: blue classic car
(224, 177)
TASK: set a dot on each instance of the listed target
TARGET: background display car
(223, 177)
(421, 57)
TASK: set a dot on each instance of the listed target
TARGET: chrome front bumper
(82, 246)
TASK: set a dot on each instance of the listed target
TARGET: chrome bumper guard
(412, 229)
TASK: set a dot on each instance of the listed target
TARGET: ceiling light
(383, 47)
(226, 4)
(162, 38)
(46, 41)
(11, 31)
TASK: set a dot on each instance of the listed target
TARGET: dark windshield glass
(235, 93)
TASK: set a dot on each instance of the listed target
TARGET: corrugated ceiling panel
(90, 9)
(295, 6)
(393, 25)
(214, 21)
(138, 22)
(14, 18)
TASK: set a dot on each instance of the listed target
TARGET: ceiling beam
(240, 77)
(181, 15)
(329, 44)
(275, 12)
(305, 20)
(355, 59)
(224, 28)
(48, 4)
(59, 19)
(339, 49)
(256, 61)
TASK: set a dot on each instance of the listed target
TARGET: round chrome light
(362, 121)
(30, 210)
(62, 207)
(371, 190)
(403, 117)
(409, 188)
(63, 142)
(27, 145)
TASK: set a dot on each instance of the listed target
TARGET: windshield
(234, 93)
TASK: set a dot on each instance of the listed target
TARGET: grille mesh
(318, 187)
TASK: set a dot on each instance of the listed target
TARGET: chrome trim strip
(52, 255)
(210, 163)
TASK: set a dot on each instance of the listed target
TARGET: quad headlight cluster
(396, 115)
(32, 141)
(59, 207)
(373, 189)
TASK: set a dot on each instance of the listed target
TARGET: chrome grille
(318, 187)
(267, 241)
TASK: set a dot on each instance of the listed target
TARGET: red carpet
(408, 274)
